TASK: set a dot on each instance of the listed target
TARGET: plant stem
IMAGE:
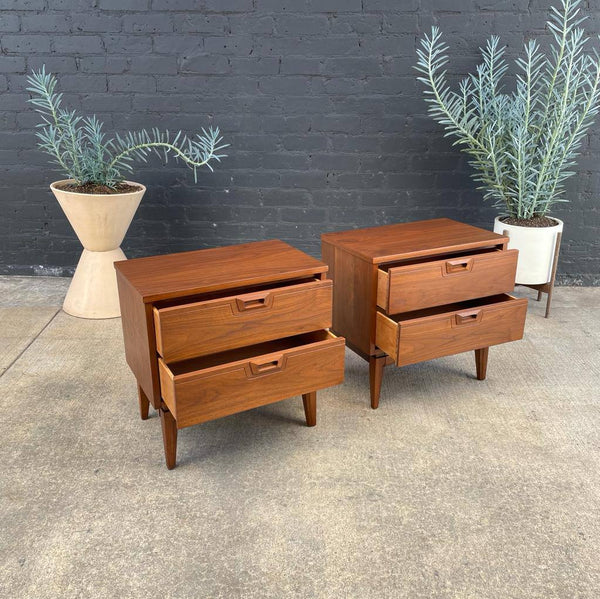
(550, 150)
(169, 147)
(444, 108)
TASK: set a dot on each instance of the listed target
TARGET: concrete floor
(454, 488)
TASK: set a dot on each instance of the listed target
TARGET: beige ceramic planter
(100, 222)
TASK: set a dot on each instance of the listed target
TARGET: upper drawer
(426, 334)
(197, 329)
(425, 284)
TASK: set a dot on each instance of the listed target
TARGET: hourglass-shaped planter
(100, 222)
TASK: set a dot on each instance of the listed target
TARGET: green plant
(522, 144)
(80, 148)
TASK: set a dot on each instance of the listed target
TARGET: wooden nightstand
(411, 292)
(219, 331)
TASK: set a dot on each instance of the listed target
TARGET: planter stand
(549, 286)
(93, 291)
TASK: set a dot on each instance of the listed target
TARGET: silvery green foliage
(523, 144)
(83, 152)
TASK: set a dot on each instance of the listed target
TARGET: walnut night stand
(214, 332)
(411, 292)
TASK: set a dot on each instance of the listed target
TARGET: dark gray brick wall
(317, 98)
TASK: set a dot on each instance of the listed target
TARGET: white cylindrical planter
(536, 247)
(100, 222)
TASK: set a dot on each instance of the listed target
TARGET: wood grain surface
(200, 328)
(204, 389)
(409, 240)
(445, 281)
(452, 329)
(190, 273)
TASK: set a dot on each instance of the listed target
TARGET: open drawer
(425, 283)
(207, 327)
(218, 385)
(426, 334)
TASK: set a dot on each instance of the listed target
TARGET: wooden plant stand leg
(169, 432)
(481, 360)
(310, 407)
(549, 300)
(553, 277)
(144, 404)
(376, 365)
(549, 286)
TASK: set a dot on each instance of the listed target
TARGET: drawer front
(209, 327)
(426, 338)
(428, 284)
(198, 396)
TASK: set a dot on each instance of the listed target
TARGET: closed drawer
(207, 388)
(208, 327)
(423, 284)
(427, 334)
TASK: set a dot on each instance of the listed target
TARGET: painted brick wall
(318, 99)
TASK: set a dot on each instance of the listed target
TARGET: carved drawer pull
(472, 316)
(458, 266)
(254, 301)
(267, 366)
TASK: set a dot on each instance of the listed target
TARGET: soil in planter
(536, 221)
(93, 188)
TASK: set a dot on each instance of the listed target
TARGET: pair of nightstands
(215, 332)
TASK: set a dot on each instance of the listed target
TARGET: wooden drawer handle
(254, 301)
(459, 265)
(472, 316)
(265, 366)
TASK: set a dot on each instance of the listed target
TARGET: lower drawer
(214, 386)
(426, 334)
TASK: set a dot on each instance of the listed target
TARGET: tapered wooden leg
(144, 404)
(376, 364)
(169, 431)
(539, 297)
(481, 360)
(310, 407)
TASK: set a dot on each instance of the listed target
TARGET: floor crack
(29, 344)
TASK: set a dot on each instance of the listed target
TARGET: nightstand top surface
(157, 278)
(407, 240)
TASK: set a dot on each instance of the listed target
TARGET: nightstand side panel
(138, 336)
(354, 297)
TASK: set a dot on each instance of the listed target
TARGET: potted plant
(95, 196)
(523, 144)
